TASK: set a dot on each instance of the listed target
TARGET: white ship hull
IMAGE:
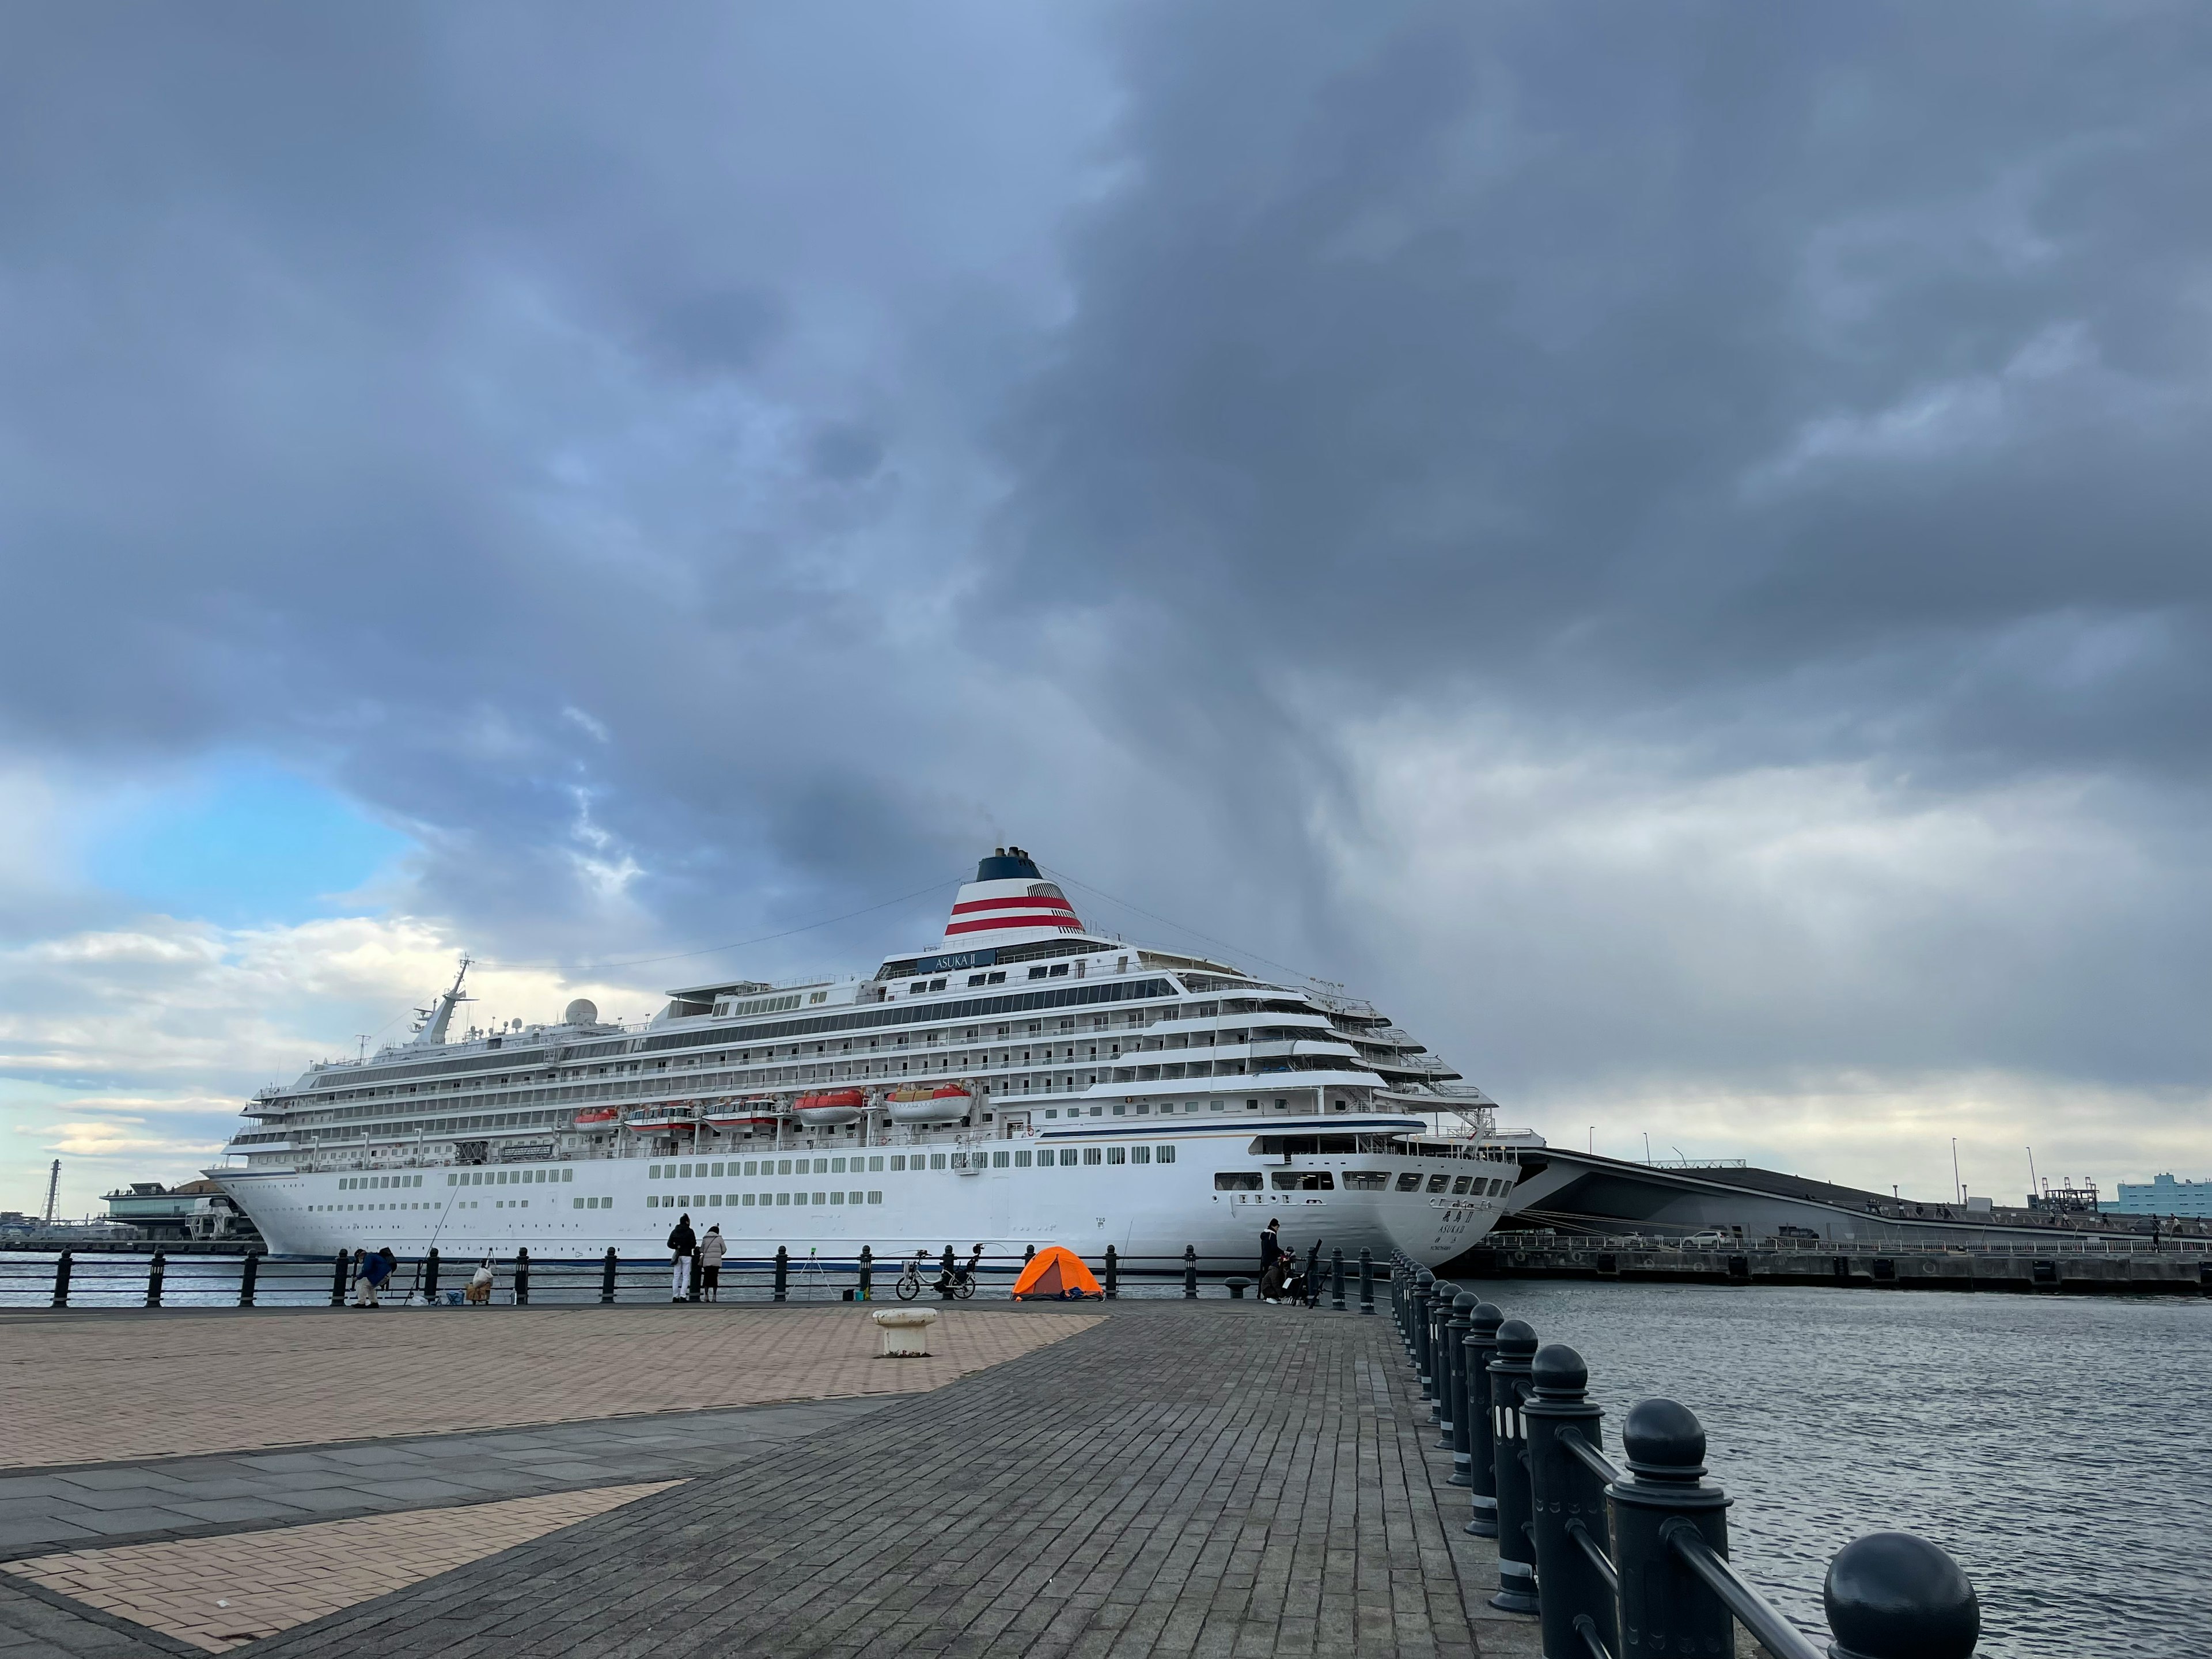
(1148, 1212)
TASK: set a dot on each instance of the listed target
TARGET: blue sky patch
(243, 844)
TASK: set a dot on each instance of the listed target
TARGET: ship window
(1365, 1180)
(1462, 1183)
(1119, 1108)
(875, 1198)
(1140, 1155)
(1251, 1105)
(1093, 1155)
(1068, 1155)
(1410, 1181)
(752, 1166)
(783, 1166)
(1117, 1155)
(837, 1166)
(1021, 1160)
(783, 1198)
(1036, 973)
(1059, 971)
(1164, 1154)
(653, 1172)
(714, 1200)
(1305, 1180)
(822, 1166)
(1000, 1160)
(998, 979)
(1436, 1183)
(1141, 1109)
(937, 1160)
(1052, 1111)
(836, 1198)
(1236, 1181)
(716, 1170)
(567, 1174)
(898, 1161)
(684, 1172)
(819, 1198)
(452, 1181)
(575, 1203)
(873, 1164)
(748, 1200)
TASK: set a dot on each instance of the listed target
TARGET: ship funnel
(1008, 902)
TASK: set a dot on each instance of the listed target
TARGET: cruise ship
(1023, 1081)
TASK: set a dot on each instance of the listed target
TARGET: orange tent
(1056, 1273)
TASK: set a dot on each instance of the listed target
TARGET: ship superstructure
(1023, 1081)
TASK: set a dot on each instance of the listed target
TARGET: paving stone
(1175, 1481)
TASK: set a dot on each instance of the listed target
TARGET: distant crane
(53, 1189)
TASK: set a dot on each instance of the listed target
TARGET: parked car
(1711, 1238)
(1785, 1231)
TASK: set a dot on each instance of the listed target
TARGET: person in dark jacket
(377, 1268)
(1271, 1246)
(685, 1244)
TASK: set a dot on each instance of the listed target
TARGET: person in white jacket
(712, 1250)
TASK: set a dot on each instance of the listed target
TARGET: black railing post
(246, 1275)
(339, 1280)
(1664, 1607)
(430, 1277)
(696, 1278)
(1568, 1505)
(1190, 1273)
(1367, 1280)
(1113, 1274)
(1440, 1301)
(782, 1271)
(522, 1276)
(1336, 1280)
(62, 1278)
(1462, 1434)
(1418, 1329)
(1517, 1554)
(607, 1269)
(1448, 1358)
(155, 1271)
(868, 1272)
(1891, 1595)
(1479, 1350)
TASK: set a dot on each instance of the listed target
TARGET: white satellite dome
(582, 1012)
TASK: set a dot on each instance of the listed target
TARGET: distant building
(2163, 1195)
(198, 1209)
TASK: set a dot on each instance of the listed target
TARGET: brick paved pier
(1213, 1478)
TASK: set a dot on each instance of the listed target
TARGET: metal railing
(156, 1278)
(2057, 1243)
(1617, 1562)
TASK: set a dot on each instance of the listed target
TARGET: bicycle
(910, 1286)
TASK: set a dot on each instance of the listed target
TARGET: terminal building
(2163, 1195)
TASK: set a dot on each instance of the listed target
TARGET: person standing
(685, 1244)
(711, 1251)
(1270, 1247)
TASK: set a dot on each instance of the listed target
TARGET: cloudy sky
(1666, 544)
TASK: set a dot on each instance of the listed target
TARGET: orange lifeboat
(598, 1117)
(830, 1109)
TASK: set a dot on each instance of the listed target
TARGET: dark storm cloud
(379, 389)
(735, 464)
(1615, 358)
